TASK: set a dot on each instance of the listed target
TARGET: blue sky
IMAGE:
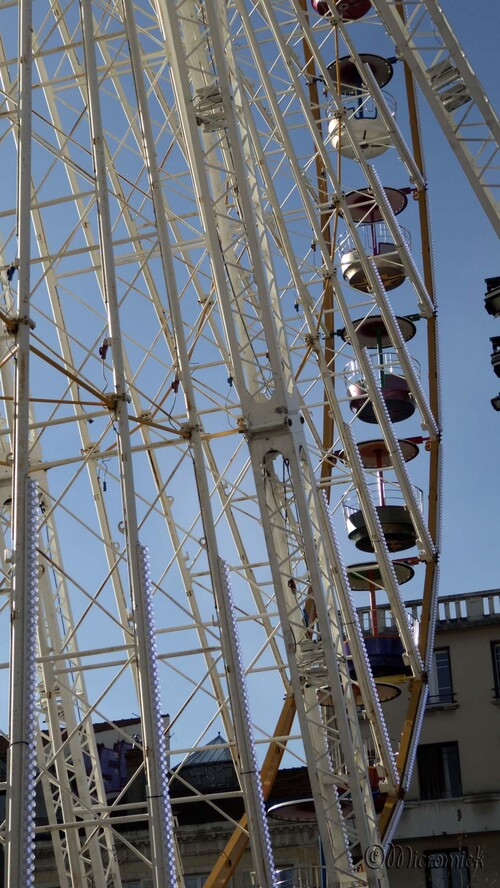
(465, 252)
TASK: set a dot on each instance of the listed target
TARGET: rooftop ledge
(464, 611)
(467, 814)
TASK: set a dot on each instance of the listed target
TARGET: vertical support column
(162, 839)
(245, 760)
(20, 843)
(21, 765)
(260, 841)
(320, 736)
(160, 817)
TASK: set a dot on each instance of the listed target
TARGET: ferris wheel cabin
(398, 399)
(367, 127)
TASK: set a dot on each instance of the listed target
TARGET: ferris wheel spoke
(218, 371)
(456, 97)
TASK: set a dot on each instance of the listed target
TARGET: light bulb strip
(249, 771)
(158, 760)
(28, 799)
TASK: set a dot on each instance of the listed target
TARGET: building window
(285, 877)
(138, 883)
(440, 683)
(195, 881)
(439, 771)
(495, 656)
(447, 869)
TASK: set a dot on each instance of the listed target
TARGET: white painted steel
(21, 727)
(175, 249)
(454, 93)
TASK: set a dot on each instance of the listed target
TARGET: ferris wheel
(219, 409)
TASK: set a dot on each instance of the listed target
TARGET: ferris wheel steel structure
(177, 445)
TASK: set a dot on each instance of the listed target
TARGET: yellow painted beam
(236, 846)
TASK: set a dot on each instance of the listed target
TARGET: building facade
(449, 833)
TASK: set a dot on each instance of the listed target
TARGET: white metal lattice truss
(195, 244)
(425, 40)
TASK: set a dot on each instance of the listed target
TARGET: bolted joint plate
(265, 420)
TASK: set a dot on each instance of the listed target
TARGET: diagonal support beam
(230, 857)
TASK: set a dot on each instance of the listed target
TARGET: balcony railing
(442, 698)
(299, 877)
(452, 609)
